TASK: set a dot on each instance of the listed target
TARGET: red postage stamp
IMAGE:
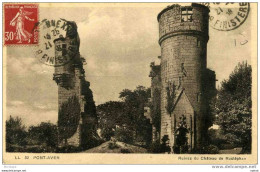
(20, 24)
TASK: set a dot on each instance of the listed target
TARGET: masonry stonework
(70, 78)
(155, 75)
(183, 37)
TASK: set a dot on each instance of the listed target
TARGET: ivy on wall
(69, 116)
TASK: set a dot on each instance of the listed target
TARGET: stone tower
(80, 131)
(183, 37)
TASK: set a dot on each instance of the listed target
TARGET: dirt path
(117, 147)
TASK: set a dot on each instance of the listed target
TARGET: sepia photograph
(130, 83)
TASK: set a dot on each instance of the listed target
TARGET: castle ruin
(183, 37)
(77, 119)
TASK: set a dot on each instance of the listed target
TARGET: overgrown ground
(116, 147)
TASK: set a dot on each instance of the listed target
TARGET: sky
(118, 42)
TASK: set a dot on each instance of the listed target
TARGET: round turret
(176, 20)
(183, 37)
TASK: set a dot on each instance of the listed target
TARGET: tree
(233, 107)
(110, 115)
(44, 133)
(124, 135)
(69, 116)
(15, 132)
(126, 116)
(135, 101)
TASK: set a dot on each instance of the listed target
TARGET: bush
(9, 148)
(155, 147)
(125, 151)
(180, 149)
(107, 133)
(90, 140)
(112, 145)
(165, 144)
(210, 149)
(216, 137)
(15, 132)
(124, 135)
(40, 149)
(30, 149)
(227, 146)
(45, 133)
(68, 149)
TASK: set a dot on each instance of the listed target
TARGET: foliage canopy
(233, 106)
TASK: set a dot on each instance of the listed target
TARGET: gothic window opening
(64, 49)
(198, 97)
(64, 45)
(186, 14)
(198, 43)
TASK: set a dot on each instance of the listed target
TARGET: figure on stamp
(21, 34)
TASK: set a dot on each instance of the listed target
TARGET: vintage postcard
(130, 83)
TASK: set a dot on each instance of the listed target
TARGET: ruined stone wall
(155, 75)
(70, 78)
(183, 59)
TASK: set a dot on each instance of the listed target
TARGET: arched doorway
(181, 138)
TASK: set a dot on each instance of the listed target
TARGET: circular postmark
(56, 48)
(227, 16)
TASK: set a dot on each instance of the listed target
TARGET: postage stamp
(19, 24)
(227, 16)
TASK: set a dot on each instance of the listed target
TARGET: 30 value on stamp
(19, 24)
